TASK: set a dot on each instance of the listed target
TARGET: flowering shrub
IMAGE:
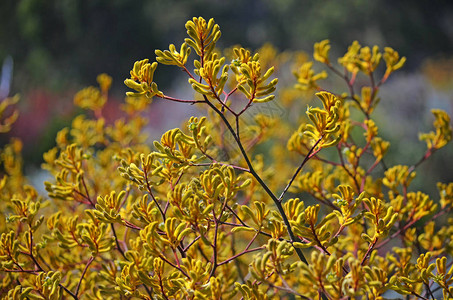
(233, 205)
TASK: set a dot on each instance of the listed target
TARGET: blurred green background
(59, 42)
(60, 46)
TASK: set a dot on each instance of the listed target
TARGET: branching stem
(260, 181)
(83, 274)
(309, 155)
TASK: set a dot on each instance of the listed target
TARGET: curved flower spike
(349, 59)
(241, 56)
(94, 235)
(381, 216)
(149, 174)
(258, 215)
(392, 60)
(398, 175)
(446, 194)
(141, 80)
(6, 123)
(199, 133)
(306, 77)
(317, 271)
(19, 293)
(214, 83)
(347, 204)
(48, 285)
(251, 290)
(325, 121)
(321, 51)
(108, 207)
(369, 59)
(444, 278)
(293, 208)
(175, 232)
(424, 266)
(203, 36)
(443, 134)
(258, 91)
(90, 98)
(173, 57)
(9, 250)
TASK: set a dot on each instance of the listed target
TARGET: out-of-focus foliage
(228, 206)
(54, 42)
(60, 46)
(6, 121)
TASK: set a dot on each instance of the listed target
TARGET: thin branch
(34, 272)
(42, 259)
(31, 251)
(261, 182)
(362, 184)
(419, 296)
(148, 187)
(286, 288)
(346, 169)
(116, 241)
(309, 155)
(350, 84)
(83, 183)
(131, 225)
(173, 265)
(83, 274)
(188, 72)
(191, 243)
(180, 100)
(161, 286)
(370, 248)
(68, 291)
(148, 291)
(324, 249)
(40, 269)
(428, 153)
(240, 254)
(245, 107)
(220, 163)
(324, 200)
(223, 103)
(236, 216)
